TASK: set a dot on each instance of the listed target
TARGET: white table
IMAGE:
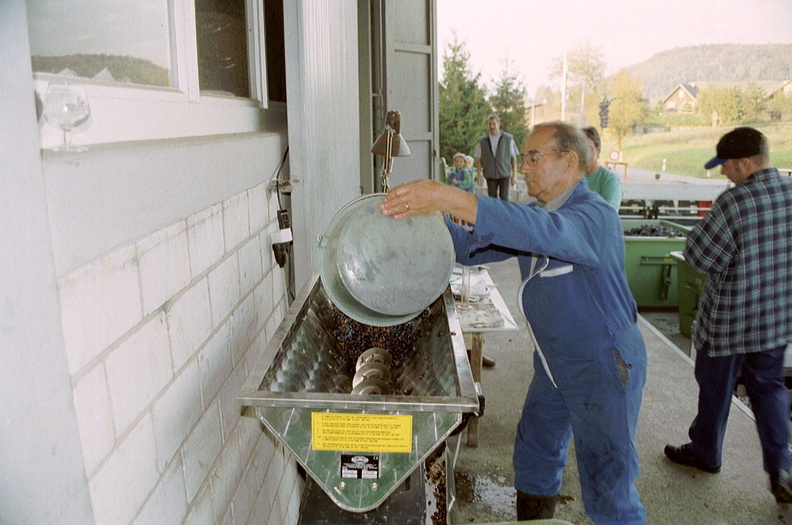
(487, 312)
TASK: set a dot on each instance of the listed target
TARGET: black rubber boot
(535, 507)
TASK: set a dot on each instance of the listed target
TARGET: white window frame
(124, 112)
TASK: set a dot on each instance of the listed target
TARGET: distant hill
(712, 63)
(122, 68)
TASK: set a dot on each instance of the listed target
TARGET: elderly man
(590, 358)
(744, 321)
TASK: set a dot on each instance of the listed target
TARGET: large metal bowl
(380, 271)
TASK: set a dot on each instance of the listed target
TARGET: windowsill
(122, 113)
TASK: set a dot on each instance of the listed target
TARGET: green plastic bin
(690, 284)
(651, 271)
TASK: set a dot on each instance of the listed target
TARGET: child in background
(461, 176)
(469, 163)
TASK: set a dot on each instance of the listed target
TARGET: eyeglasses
(532, 157)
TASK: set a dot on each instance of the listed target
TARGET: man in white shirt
(496, 159)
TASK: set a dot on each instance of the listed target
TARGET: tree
(781, 104)
(754, 101)
(463, 107)
(586, 65)
(723, 105)
(508, 102)
(628, 108)
(586, 68)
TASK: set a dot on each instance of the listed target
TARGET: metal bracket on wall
(284, 187)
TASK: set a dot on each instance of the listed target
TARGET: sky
(136, 28)
(528, 36)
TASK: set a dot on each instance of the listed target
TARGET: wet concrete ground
(672, 494)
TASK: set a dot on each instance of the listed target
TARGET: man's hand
(426, 197)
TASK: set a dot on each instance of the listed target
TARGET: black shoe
(535, 507)
(486, 362)
(684, 456)
(781, 486)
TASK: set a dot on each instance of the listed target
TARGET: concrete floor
(672, 494)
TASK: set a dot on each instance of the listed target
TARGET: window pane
(276, 56)
(221, 30)
(111, 40)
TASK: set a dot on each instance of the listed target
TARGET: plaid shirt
(744, 244)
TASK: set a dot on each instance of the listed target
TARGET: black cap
(740, 143)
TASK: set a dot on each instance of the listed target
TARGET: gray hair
(568, 138)
(592, 133)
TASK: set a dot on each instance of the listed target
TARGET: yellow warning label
(361, 432)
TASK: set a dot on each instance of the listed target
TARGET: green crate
(651, 271)
(690, 284)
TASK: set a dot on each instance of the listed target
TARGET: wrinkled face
(493, 126)
(550, 175)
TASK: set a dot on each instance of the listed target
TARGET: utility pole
(564, 87)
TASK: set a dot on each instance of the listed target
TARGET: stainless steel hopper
(360, 448)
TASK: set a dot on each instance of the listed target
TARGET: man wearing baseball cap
(744, 319)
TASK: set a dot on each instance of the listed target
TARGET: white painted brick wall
(99, 303)
(160, 336)
(164, 265)
(297, 486)
(243, 328)
(250, 266)
(245, 496)
(255, 351)
(272, 480)
(122, 484)
(264, 299)
(94, 416)
(261, 509)
(236, 221)
(201, 449)
(168, 503)
(258, 203)
(224, 288)
(201, 512)
(230, 411)
(263, 454)
(176, 412)
(227, 475)
(189, 322)
(205, 239)
(214, 364)
(138, 370)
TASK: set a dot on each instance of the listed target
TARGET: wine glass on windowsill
(66, 107)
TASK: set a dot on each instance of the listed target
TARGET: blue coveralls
(584, 318)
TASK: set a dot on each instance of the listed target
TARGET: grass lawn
(687, 150)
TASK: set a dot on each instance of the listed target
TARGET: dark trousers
(763, 373)
(498, 188)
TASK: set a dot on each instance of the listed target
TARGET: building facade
(139, 282)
